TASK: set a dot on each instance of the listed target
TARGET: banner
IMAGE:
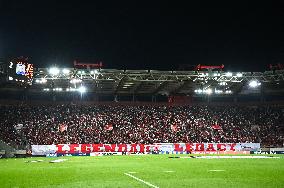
(109, 127)
(158, 148)
(19, 126)
(43, 149)
(216, 127)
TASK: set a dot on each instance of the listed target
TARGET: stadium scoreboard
(20, 70)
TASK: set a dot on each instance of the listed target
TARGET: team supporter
(27, 125)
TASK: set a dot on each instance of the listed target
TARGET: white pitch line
(216, 170)
(145, 182)
(132, 172)
(169, 171)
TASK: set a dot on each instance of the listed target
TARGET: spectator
(141, 124)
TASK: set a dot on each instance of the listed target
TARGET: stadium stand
(52, 124)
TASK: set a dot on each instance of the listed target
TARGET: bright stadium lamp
(82, 89)
(254, 83)
(239, 75)
(209, 91)
(229, 74)
(65, 71)
(54, 71)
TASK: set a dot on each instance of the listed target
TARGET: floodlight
(254, 83)
(222, 83)
(65, 71)
(208, 91)
(57, 89)
(82, 89)
(239, 74)
(218, 91)
(54, 71)
(198, 91)
(74, 81)
(229, 74)
(43, 80)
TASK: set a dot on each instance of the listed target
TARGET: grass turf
(108, 171)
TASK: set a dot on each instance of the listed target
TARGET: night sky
(243, 36)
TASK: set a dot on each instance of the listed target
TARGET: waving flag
(216, 127)
(174, 127)
(109, 127)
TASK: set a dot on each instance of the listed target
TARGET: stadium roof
(154, 82)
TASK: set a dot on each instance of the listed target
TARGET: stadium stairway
(9, 150)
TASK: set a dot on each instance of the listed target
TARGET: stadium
(91, 127)
(157, 94)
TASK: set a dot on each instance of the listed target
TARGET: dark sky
(240, 35)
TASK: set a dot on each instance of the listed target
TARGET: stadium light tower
(54, 71)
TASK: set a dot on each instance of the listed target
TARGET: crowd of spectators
(141, 124)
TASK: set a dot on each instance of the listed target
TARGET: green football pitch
(142, 171)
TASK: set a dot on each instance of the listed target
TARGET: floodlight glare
(74, 81)
(209, 91)
(54, 71)
(254, 83)
(239, 74)
(65, 71)
(82, 89)
(229, 74)
(43, 80)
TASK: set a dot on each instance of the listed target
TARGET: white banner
(162, 148)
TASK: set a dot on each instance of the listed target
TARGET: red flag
(217, 127)
(174, 127)
(109, 127)
(62, 127)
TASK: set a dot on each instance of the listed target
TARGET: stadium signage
(162, 148)
(183, 147)
(89, 148)
(202, 147)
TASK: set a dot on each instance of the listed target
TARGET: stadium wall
(9, 151)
